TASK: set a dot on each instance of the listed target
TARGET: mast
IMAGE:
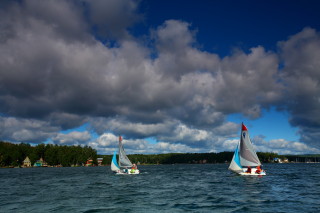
(120, 138)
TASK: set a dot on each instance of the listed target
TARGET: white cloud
(282, 146)
(72, 138)
(108, 143)
(163, 147)
(183, 134)
(230, 145)
(301, 75)
(249, 82)
(26, 130)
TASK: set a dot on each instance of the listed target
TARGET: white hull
(253, 173)
(128, 172)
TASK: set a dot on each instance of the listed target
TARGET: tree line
(13, 155)
(189, 158)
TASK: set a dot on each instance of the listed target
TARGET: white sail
(235, 163)
(114, 165)
(248, 157)
(123, 159)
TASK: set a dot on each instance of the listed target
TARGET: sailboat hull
(253, 173)
(128, 172)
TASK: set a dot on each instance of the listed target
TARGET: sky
(169, 76)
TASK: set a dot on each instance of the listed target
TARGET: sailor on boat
(133, 169)
(258, 170)
(248, 170)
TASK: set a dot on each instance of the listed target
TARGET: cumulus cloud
(112, 18)
(108, 142)
(301, 75)
(164, 147)
(26, 130)
(230, 145)
(282, 146)
(132, 129)
(249, 82)
(67, 63)
(72, 138)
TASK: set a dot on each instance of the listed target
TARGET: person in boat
(248, 170)
(258, 169)
(133, 169)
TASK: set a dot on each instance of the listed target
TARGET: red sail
(244, 128)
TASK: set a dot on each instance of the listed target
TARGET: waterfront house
(40, 163)
(89, 162)
(99, 160)
(26, 162)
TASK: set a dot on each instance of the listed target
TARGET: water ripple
(162, 188)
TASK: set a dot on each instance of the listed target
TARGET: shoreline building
(26, 162)
(40, 163)
(89, 162)
(99, 160)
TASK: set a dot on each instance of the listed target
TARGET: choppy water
(162, 188)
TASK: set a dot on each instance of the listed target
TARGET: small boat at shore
(245, 157)
(124, 165)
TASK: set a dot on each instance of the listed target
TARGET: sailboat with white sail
(124, 165)
(245, 157)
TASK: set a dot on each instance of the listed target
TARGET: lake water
(161, 188)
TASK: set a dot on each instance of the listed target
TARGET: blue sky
(225, 25)
(272, 125)
(169, 76)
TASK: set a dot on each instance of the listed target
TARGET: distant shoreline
(25, 155)
(149, 165)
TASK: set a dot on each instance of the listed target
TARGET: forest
(187, 158)
(12, 155)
